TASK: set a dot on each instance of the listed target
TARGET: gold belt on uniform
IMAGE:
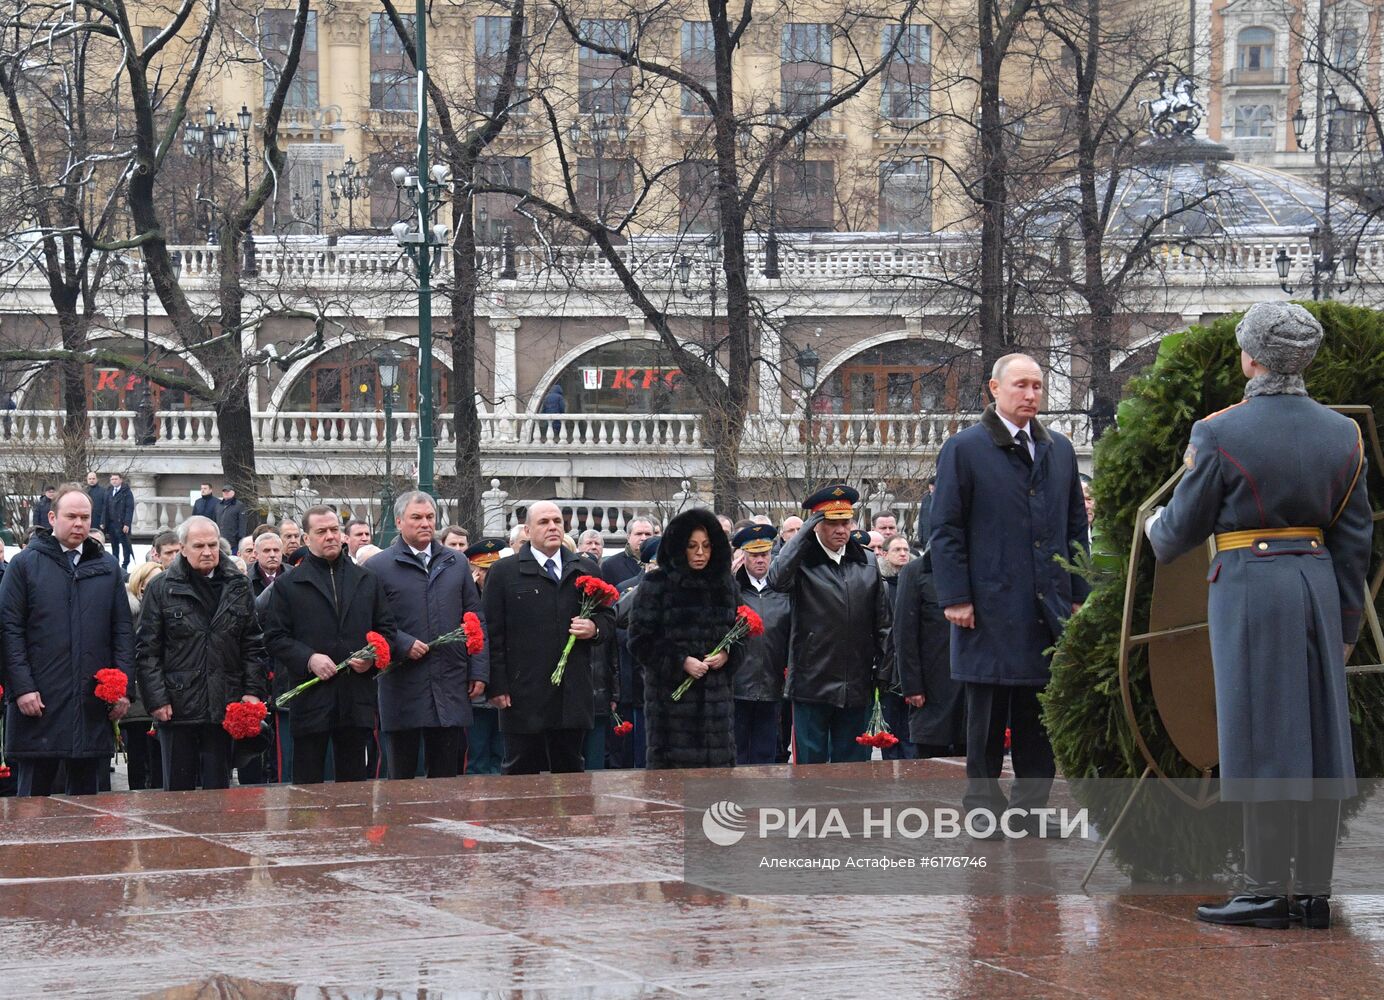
(1245, 539)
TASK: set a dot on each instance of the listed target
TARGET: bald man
(532, 606)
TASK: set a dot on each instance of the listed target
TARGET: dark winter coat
(41, 508)
(1281, 609)
(205, 506)
(997, 524)
(231, 518)
(839, 648)
(326, 608)
(620, 567)
(258, 584)
(99, 496)
(922, 655)
(119, 514)
(764, 659)
(631, 674)
(679, 613)
(528, 616)
(431, 692)
(198, 647)
(554, 401)
(58, 627)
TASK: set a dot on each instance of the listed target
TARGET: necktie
(75, 555)
(551, 567)
(422, 558)
(1022, 439)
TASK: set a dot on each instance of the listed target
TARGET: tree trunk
(992, 192)
(75, 458)
(465, 416)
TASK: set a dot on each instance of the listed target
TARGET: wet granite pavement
(562, 886)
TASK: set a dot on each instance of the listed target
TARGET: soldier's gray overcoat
(1279, 611)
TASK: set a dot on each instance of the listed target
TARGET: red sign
(641, 378)
(111, 379)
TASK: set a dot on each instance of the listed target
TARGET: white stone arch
(157, 339)
(600, 340)
(329, 344)
(880, 339)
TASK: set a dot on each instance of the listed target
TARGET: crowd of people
(852, 633)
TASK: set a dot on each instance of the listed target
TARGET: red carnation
(619, 725)
(379, 647)
(594, 586)
(152, 732)
(475, 635)
(754, 625)
(243, 719)
(4, 770)
(596, 593)
(111, 685)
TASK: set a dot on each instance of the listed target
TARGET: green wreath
(1196, 372)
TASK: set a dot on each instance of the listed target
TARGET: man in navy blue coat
(425, 697)
(120, 517)
(1008, 502)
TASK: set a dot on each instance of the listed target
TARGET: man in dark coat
(1279, 480)
(231, 517)
(425, 697)
(199, 648)
(618, 568)
(120, 519)
(64, 615)
(485, 747)
(269, 563)
(632, 749)
(44, 505)
(205, 504)
(531, 606)
(98, 496)
(838, 650)
(922, 657)
(318, 615)
(554, 402)
(758, 681)
(1008, 501)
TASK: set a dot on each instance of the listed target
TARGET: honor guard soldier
(840, 629)
(1279, 480)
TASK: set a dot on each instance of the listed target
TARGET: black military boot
(1313, 911)
(1245, 910)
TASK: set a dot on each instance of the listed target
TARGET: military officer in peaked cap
(759, 679)
(1279, 480)
(840, 629)
(482, 555)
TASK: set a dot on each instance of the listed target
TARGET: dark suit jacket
(120, 511)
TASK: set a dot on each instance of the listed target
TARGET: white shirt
(424, 554)
(833, 556)
(758, 584)
(1015, 428)
(556, 557)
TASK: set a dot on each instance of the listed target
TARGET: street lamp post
(388, 363)
(771, 258)
(246, 120)
(1344, 132)
(349, 185)
(144, 418)
(808, 361)
(207, 142)
(298, 207)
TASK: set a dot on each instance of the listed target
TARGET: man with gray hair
(268, 563)
(425, 699)
(625, 565)
(591, 543)
(1280, 480)
(198, 648)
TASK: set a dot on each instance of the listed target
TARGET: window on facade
(698, 62)
(1255, 50)
(113, 389)
(495, 212)
(392, 83)
(697, 196)
(603, 81)
(632, 376)
(1345, 48)
(905, 376)
(806, 195)
(605, 186)
(905, 197)
(347, 379)
(908, 74)
(1253, 121)
(804, 68)
(276, 37)
(492, 53)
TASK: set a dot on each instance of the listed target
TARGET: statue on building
(1176, 111)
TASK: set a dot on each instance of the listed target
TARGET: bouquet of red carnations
(469, 631)
(877, 733)
(244, 718)
(619, 725)
(111, 686)
(376, 649)
(747, 623)
(596, 593)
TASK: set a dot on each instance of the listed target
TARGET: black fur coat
(679, 613)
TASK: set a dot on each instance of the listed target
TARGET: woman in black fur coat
(681, 611)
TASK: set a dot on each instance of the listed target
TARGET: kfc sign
(114, 380)
(625, 379)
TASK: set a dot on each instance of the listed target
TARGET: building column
(503, 329)
(146, 520)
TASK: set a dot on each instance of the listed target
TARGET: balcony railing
(664, 433)
(1272, 76)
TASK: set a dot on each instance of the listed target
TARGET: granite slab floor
(562, 886)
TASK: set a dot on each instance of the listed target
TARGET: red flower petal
(380, 646)
(475, 635)
(111, 685)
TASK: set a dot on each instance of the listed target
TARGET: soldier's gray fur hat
(1281, 336)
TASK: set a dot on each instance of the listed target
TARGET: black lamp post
(771, 259)
(601, 130)
(245, 120)
(808, 361)
(207, 142)
(349, 185)
(144, 408)
(387, 361)
(1344, 132)
(298, 207)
